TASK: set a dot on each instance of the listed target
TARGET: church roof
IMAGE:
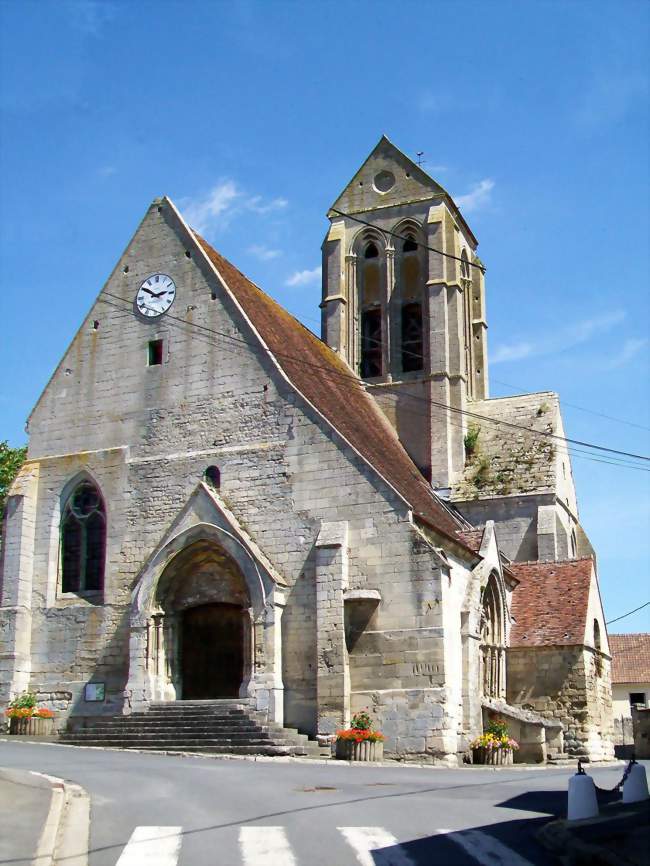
(509, 459)
(630, 657)
(551, 602)
(329, 385)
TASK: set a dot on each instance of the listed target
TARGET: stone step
(199, 726)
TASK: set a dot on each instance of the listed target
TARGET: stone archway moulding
(149, 665)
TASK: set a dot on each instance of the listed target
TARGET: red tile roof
(550, 603)
(321, 376)
(630, 657)
(472, 538)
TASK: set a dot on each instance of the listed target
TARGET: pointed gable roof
(411, 184)
(329, 385)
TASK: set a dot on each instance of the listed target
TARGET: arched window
(574, 545)
(493, 672)
(371, 315)
(412, 354)
(213, 477)
(466, 284)
(83, 540)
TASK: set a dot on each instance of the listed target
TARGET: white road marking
(364, 840)
(152, 846)
(485, 849)
(265, 846)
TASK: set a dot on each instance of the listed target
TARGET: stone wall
(571, 684)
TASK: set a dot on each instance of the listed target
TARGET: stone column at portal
(333, 674)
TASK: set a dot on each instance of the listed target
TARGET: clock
(155, 296)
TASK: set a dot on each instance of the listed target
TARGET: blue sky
(253, 115)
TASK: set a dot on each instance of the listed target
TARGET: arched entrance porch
(205, 623)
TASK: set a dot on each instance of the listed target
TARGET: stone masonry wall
(564, 682)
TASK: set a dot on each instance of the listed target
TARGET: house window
(83, 540)
(637, 698)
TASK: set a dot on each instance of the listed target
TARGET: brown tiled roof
(550, 603)
(328, 383)
(630, 657)
(472, 538)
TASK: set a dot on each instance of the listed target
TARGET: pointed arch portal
(206, 623)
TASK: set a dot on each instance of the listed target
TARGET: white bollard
(582, 801)
(635, 788)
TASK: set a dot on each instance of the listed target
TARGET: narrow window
(412, 355)
(213, 477)
(412, 358)
(371, 313)
(155, 353)
(597, 656)
(371, 343)
(83, 540)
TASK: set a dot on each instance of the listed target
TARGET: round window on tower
(384, 181)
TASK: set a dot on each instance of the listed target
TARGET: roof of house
(550, 604)
(630, 657)
(326, 381)
(472, 538)
(511, 456)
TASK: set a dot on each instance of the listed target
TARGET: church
(218, 504)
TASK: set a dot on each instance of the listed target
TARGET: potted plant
(494, 746)
(360, 742)
(28, 719)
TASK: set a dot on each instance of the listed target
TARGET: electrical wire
(629, 613)
(353, 379)
(418, 243)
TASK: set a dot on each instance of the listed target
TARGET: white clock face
(155, 296)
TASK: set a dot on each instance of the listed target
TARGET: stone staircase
(213, 727)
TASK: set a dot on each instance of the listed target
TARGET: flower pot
(366, 750)
(494, 757)
(32, 727)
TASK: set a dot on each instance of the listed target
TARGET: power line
(574, 406)
(418, 243)
(629, 613)
(329, 371)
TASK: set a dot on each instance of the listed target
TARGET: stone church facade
(216, 503)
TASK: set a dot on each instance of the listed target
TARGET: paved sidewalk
(24, 806)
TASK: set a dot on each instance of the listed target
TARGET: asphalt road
(158, 810)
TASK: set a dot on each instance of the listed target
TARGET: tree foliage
(11, 459)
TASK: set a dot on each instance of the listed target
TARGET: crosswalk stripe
(364, 840)
(152, 846)
(265, 846)
(484, 848)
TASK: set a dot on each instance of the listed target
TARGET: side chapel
(219, 504)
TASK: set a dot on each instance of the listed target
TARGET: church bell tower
(403, 303)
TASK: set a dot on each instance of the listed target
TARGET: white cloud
(305, 278)
(630, 348)
(263, 253)
(215, 209)
(107, 170)
(477, 197)
(564, 339)
(257, 205)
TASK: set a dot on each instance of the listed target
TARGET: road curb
(296, 759)
(66, 832)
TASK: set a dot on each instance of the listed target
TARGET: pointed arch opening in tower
(411, 330)
(370, 302)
